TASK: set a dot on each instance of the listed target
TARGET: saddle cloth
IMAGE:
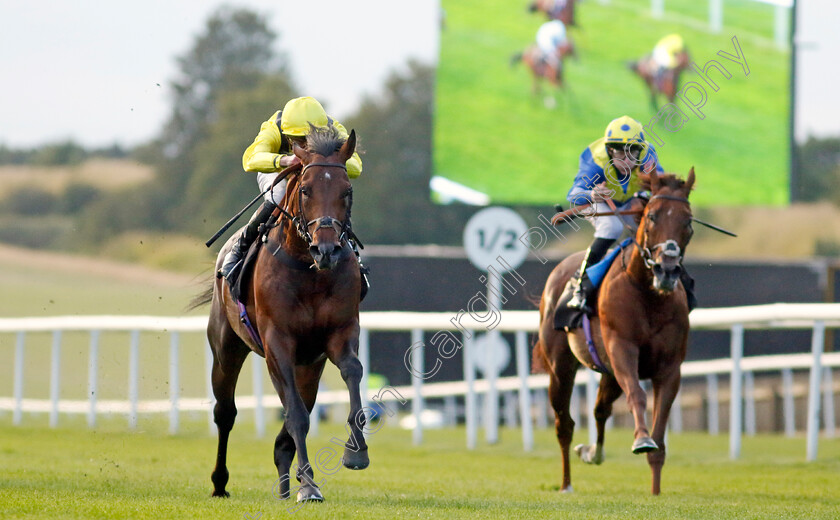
(566, 318)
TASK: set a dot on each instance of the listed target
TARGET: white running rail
(816, 317)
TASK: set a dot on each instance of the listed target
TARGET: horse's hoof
(310, 494)
(220, 494)
(589, 454)
(355, 459)
(567, 489)
(644, 445)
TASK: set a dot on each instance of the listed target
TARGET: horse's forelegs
(625, 361)
(665, 390)
(356, 449)
(307, 378)
(608, 392)
(224, 413)
(282, 372)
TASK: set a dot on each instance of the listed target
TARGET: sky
(98, 72)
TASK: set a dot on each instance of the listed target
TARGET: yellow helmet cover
(624, 130)
(299, 113)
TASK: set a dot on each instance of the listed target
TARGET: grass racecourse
(493, 135)
(73, 472)
(113, 473)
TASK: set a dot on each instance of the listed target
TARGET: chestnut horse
(665, 82)
(563, 10)
(542, 67)
(640, 333)
(304, 305)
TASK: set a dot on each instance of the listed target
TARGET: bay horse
(665, 82)
(641, 331)
(304, 307)
(563, 10)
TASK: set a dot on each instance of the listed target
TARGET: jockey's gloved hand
(645, 195)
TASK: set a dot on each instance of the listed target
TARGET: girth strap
(590, 344)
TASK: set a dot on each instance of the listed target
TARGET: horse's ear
(349, 146)
(689, 182)
(654, 182)
(301, 152)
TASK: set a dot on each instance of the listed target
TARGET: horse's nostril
(657, 269)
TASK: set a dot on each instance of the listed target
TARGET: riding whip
(282, 175)
(712, 226)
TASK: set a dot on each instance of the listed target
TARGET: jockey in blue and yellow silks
(609, 168)
(271, 153)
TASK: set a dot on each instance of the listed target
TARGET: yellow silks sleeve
(261, 155)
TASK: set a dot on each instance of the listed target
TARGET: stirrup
(579, 300)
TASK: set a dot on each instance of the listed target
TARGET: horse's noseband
(326, 222)
(669, 248)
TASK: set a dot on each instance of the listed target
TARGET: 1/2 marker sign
(494, 232)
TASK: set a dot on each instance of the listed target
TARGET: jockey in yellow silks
(669, 53)
(609, 168)
(270, 153)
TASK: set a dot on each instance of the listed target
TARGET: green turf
(493, 135)
(77, 473)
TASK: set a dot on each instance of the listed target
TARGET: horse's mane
(324, 141)
(666, 180)
(671, 180)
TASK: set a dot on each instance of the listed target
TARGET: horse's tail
(515, 58)
(202, 298)
(632, 65)
(538, 364)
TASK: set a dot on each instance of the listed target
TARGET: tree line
(227, 83)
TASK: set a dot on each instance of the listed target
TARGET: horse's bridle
(302, 225)
(669, 247)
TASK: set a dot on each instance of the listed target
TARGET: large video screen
(505, 136)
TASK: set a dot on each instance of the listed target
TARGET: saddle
(566, 318)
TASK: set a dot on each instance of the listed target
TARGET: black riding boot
(244, 241)
(583, 290)
(688, 285)
(364, 271)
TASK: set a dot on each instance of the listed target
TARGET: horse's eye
(347, 194)
(306, 191)
(651, 217)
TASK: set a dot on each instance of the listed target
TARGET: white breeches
(264, 180)
(607, 226)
